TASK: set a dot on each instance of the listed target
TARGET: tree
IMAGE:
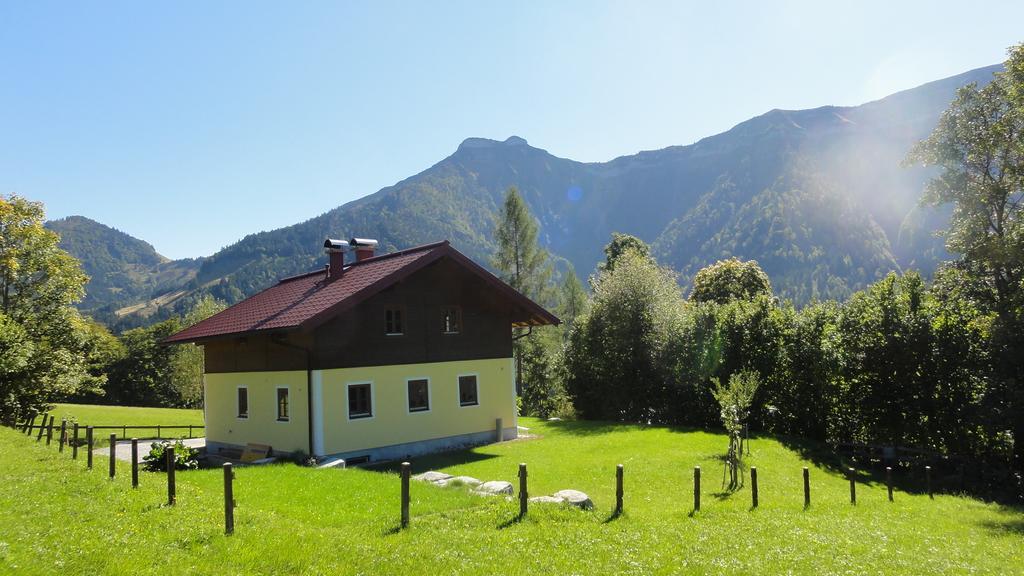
(620, 245)
(728, 280)
(521, 263)
(978, 147)
(187, 364)
(42, 337)
(735, 400)
(152, 374)
(519, 260)
(613, 359)
(572, 300)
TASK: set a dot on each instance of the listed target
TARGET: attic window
(394, 322)
(451, 320)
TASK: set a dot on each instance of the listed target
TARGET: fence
(405, 473)
(160, 428)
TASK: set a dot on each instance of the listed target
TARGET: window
(467, 391)
(393, 325)
(419, 395)
(282, 404)
(451, 320)
(243, 402)
(360, 401)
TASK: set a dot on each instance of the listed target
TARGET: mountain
(123, 270)
(819, 197)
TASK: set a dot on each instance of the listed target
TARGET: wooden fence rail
(125, 428)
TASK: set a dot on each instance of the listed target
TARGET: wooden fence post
(74, 442)
(124, 432)
(171, 496)
(63, 434)
(696, 488)
(853, 487)
(523, 493)
(618, 489)
(807, 487)
(158, 431)
(753, 485)
(229, 499)
(135, 462)
(888, 480)
(49, 431)
(406, 469)
(32, 422)
(42, 427)
(113, 455)
(190, 431)
(928, 480)
(88, 444)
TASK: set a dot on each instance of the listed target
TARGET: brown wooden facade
(357, 336)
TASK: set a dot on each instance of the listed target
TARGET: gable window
(468, 390)
(451, 320)
(394, 322)
(243, 402)
(360, 401)
(419, 394)
(282, 405)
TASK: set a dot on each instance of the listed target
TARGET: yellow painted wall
(262, 427)
(392, 423)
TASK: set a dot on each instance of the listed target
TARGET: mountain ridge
(819, 196)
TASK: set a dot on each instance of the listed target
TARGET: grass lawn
(60, 517)
(96, 415)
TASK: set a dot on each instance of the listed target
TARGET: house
(376, 358)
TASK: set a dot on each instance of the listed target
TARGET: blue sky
(191, 124)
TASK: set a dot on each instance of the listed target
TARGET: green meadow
(59, 517)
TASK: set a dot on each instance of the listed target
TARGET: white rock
(554, 419)
(434, 477)
(546, 500)
(494, 488)
(575, 498)
(459, 481)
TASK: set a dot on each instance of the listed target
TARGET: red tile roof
(310, 299)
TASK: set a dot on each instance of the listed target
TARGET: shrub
(185, 457)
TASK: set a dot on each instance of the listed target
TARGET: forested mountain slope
(819, 197)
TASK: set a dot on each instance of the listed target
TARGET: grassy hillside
(96, 415)
(59, 517)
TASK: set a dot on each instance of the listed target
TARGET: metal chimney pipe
(364, 247)
(335, 250)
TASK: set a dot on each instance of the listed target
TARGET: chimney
(364, 248)
(336, 251)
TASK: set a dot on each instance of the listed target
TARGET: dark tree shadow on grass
(598, 427)
(1014, 526)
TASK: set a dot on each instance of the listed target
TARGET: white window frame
(458, 390)
(373, 401)
(289, 391)
(238, 408)
(430, 396)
